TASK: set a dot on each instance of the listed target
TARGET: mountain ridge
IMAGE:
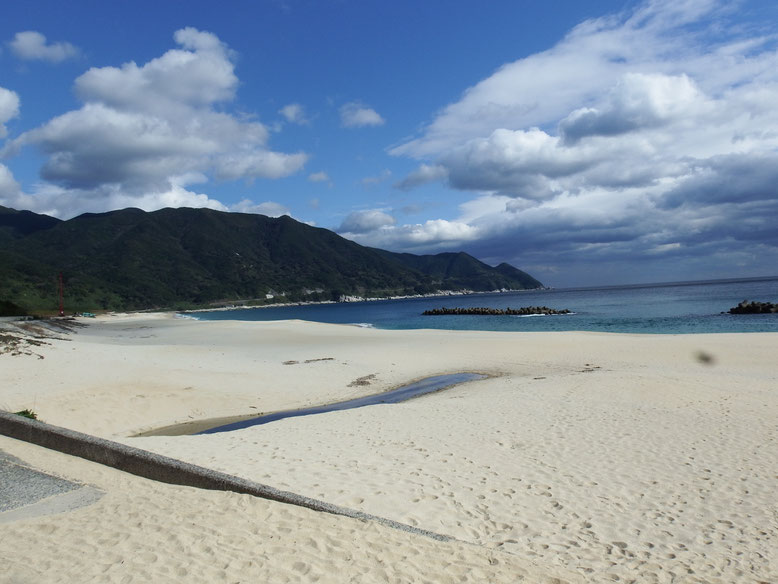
(131, 259)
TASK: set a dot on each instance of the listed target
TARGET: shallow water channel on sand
(424, 386)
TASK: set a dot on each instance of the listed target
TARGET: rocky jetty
(524, 311)
(747, 307)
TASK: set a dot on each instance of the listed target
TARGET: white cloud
(377, 228)
(9, 188)
(269, 208)
(356, 115)
(438, 231)
(143, 126)
(426, 173)
(196, 40)
(98, 145)
(638, 101)
(259, 164)
(664, 248)
(317, 177)
(428, 237)
(543, 88)
(31, 45)
(656, 121)
(294, 113)
(9, 108)
(522, 163)
(175, 196)
(196, 76)
(365, 221)
(383, 176)
(54, 200)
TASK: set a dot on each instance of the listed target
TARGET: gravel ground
(23, 486)
(25, 492)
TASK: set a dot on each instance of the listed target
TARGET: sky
(587, 143)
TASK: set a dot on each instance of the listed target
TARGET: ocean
(668, 308)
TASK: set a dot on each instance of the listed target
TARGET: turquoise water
(674, 308)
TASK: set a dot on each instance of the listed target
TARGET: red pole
(61, 296)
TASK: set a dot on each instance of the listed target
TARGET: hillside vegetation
(184, 258)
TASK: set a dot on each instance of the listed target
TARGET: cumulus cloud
(258, 164)
(638, 101)
(356, 115)
(425, 173)
(541, 89)
(294, 113)
(142, 126)
(735, 178)
(428, 237)
(269, 208)
(364, 221)
(9, 108)
(32, 46)
(197, 75)
(9, 188)
(523, 163)
(639, 135)
(317, 177)
(54, 200)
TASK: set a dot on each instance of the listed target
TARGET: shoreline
(360, 299)
(595, 454)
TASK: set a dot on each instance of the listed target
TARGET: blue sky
(584, 142)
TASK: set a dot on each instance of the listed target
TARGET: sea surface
(669, 308)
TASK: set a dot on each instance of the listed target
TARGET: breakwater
(747, 307)
(481, 311)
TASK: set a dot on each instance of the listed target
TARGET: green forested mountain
(20, 223)
(175, 258)
(463, 271)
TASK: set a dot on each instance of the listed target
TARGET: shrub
(27, 414)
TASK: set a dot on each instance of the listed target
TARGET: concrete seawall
(169, 470)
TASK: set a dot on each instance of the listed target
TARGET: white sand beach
(584, 457)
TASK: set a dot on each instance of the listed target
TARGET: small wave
(534, 315)
(363, 324)
(187, 316)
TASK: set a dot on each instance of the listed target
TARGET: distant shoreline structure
(752, 307)
(482, 311)
(354, 299)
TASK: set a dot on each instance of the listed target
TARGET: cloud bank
(146, 132)
(642, 137)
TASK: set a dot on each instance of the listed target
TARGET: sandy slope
(618, 457)
(142, 531)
